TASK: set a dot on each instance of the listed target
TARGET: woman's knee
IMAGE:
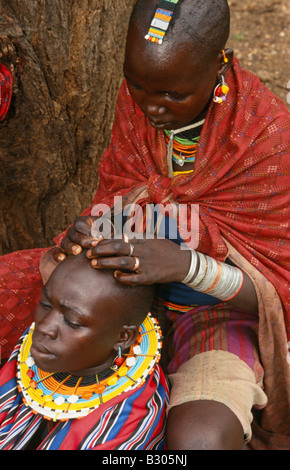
(203, 425)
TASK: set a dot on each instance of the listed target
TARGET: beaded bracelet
(217, 279)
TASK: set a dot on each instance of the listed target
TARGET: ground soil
(260, 37)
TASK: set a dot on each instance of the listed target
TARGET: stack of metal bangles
(217, 279)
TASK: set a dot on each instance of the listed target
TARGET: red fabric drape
(240, 181)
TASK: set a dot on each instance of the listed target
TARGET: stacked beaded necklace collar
(61, 396)
(182, 149)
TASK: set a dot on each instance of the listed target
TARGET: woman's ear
(128, 335)
(226, 61)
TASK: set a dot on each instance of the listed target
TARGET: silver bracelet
(201, 271)
(229, 284)
(193, 259)
(226, 280)
(226, 283)
(210, 275)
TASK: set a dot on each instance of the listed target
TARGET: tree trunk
(66, 57)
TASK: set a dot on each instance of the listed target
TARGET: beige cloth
(273, 431)
(219, 376)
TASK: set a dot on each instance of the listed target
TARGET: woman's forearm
(246, 298)
(221, 280)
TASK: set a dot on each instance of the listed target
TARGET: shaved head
(132, 302)
(204, 23)
(84, 316)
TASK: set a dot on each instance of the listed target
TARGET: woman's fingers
(132, 279)
(142, 261)
(69, 247)
(58, 254)
(107, 248)
(79, 236)
(127, 263)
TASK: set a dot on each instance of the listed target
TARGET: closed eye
(133, 84)
(174, 96)
(72, 324)
(45, 305)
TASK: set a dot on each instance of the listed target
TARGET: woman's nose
(47, 326)
(153, 108)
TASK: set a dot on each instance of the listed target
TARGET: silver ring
(131, 249)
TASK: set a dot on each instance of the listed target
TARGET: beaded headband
(162, 17)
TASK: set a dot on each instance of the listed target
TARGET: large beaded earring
(221, 91)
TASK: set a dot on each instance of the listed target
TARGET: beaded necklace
(62, 396)
(181, 149)
(184, 150)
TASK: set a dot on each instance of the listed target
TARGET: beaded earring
(221, 91)
(119, 359)
(225, 57)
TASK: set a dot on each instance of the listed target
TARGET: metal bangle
(229, 284)
(212, 269)
(189, 276)
(201, 271)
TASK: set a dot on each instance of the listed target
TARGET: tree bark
(66, 57)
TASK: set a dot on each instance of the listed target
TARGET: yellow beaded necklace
(64, 396)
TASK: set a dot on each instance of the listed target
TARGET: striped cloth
(213, 327)
(132, 421)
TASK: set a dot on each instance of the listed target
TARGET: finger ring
(131, 249)
(137, 263)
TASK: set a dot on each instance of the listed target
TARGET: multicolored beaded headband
(161, 20)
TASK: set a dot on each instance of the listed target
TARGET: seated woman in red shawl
(85, 375)
(193, 128)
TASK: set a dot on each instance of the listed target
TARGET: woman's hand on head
(79, 236)
(141, 261)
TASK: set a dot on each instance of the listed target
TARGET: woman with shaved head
(85, 375)
(199, 138)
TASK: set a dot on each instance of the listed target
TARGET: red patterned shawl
(242, 185)
(241, 178)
